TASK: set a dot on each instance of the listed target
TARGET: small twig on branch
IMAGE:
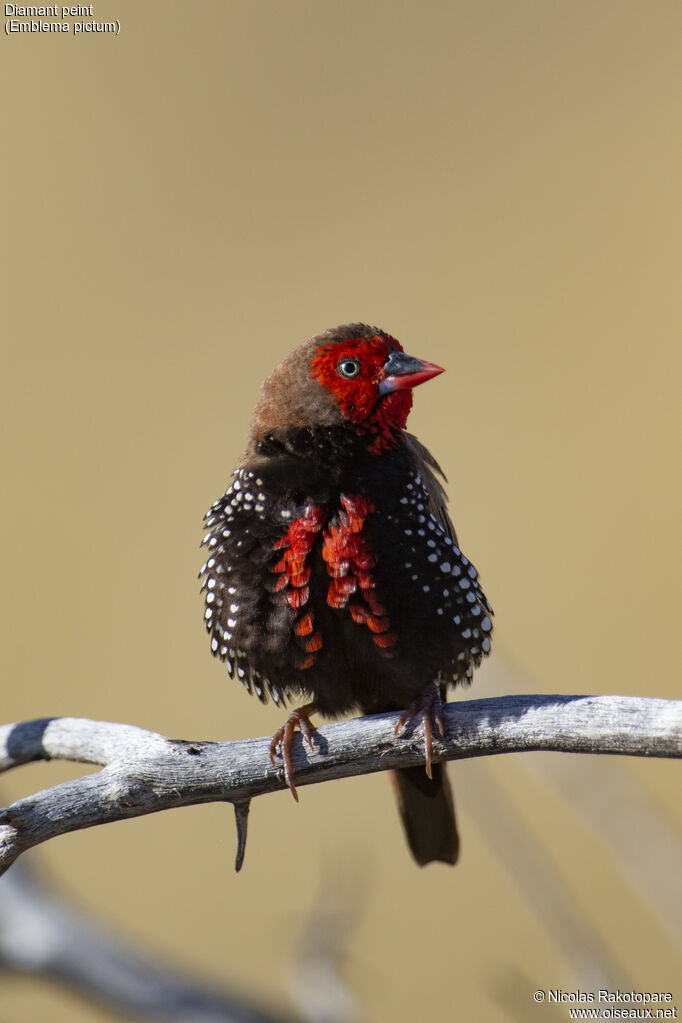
(144, 772)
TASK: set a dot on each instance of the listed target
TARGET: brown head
(354, 376)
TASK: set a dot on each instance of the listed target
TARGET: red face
(372, 389)
(352, 370)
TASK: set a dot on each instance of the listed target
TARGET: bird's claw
(428, 707)
(284, 737)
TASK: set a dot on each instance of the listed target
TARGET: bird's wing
(430, 470)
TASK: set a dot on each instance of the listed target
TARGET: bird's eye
(349, 368)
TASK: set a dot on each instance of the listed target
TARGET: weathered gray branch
(144, 772)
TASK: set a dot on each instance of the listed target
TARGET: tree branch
(144, 772)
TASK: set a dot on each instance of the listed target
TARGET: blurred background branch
(43, 934)
(143, 772)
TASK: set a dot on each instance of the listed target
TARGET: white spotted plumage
(444, 565)
(443, 581)
(222, 618)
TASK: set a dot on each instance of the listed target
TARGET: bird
(333, 570)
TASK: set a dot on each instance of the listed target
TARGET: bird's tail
(427, 811)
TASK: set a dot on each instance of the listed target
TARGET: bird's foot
(283, 738)
(428, 707)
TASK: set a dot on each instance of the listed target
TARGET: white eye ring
(349, 368)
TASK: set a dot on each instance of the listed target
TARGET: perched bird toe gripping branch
(333, 568)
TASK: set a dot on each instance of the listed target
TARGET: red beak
(402, 371)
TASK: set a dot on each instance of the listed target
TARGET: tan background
(496, 183)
